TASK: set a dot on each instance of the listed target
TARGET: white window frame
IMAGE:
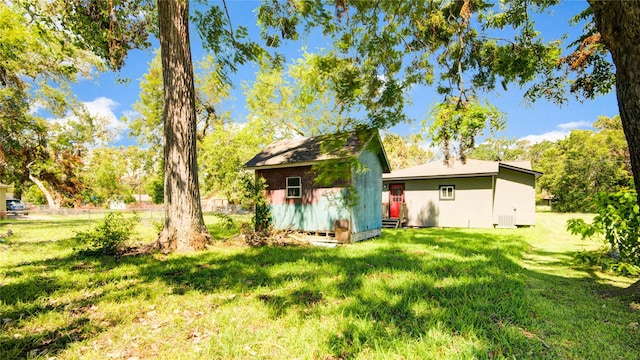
(447, 192)
(292, 187)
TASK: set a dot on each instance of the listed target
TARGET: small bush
(618, 220)
(254, 194)
(110, 236)
(225, 221)
(225, 227)
(606, 260)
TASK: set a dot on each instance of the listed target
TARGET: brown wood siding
(276, 180)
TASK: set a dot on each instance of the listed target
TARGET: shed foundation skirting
(365, 235)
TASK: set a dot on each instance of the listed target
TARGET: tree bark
(184, 228)
(52, 203)
(619, 25)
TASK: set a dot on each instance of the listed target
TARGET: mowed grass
(410, 294)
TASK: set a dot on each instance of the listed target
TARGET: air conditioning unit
(506, 221)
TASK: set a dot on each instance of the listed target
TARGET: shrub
(254, 194)
(225, 227)
(110, 236)
(606, 259)
(618, 220)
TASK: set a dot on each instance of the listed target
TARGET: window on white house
(447, 192)
(294, 187)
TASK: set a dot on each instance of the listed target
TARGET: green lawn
(410, 294)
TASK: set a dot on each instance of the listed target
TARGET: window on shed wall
(447, 192)
(294, 187)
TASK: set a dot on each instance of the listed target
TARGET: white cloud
(35, 107)
(563, 130)
(130, 114)
(574, 125)
(103, 108)
(551, 136)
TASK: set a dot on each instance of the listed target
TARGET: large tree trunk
(184, 227)
(50, 201)
(619, 25)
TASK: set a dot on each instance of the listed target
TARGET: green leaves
(458, 122)
(109, 29)
(405, 152)
(584, 164)
(619, 220)
(230, 47)
(387, 47)
(109, 237)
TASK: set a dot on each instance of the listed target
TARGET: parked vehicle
(16, 207)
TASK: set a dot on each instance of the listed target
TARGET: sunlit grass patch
(410, 294)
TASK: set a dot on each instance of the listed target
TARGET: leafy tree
(104, 172)
(546, 157)
(588, 169)
(405, 152)
(299, 99)
(140, 165)
(459, 122)
(469, 47)
(618, 220)
(501, 149)
(146, 127)
(269, 100)
(110, 30)
(37, 65)
(116, 173)
(584, 164)
(223, 155)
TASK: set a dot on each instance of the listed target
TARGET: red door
(396, 197)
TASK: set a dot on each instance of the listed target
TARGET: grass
(410, 294)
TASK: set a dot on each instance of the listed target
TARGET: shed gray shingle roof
(307, 151)
(438, 169)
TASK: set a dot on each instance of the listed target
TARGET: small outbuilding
(354, 162)
(476, 194)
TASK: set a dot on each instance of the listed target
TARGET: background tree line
(576, 169)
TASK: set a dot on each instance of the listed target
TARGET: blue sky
(539, 121)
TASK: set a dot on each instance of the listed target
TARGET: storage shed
(299, 202)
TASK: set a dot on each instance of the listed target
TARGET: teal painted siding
(318, 208)
(367, 214)
(319, 216)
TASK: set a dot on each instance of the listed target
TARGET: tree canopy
(38, 63)
(468, 48)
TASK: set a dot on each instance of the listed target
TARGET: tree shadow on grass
(396, 291)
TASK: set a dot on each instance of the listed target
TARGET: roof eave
(284, 165)
(432, 177)
(537, 174)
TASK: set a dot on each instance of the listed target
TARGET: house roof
(471, 168)
(309, 151)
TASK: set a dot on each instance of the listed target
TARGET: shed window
(447, 192)
(294, 187)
